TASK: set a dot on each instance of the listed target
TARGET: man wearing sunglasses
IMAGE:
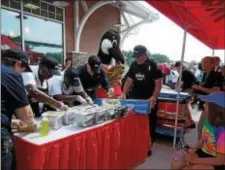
(14, 101)
(78, 85)
(38, 83)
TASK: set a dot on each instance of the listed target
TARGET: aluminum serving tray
(101, 115)
(86, 118)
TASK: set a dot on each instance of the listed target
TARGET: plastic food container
(55, 118)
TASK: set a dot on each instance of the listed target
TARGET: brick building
(42, 27)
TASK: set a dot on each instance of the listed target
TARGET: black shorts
(202, 154)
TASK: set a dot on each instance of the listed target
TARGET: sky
(35, 29)
(165, 37)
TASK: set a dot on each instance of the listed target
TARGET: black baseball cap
(51, 63)
(17, 55)
(139, 50)
(95, 64)
(71, 76)
(177, 64)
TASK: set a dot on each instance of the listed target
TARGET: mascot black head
(110, 48)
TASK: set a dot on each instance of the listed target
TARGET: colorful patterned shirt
(214, 139)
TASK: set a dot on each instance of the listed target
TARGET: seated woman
(209, 153)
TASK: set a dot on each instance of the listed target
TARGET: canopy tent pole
(180, 73)
(213, 52)
(178, 87)
(22, 26)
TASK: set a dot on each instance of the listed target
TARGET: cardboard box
(138, 106)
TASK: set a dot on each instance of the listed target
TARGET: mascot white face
(107, 44)
(109, 48)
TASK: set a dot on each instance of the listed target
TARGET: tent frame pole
(179, 83)
(213, 52)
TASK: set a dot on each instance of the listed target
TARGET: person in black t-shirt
(212, 81)
(14, 100)
(188, 78)
(79, 83)
(92, 75)
(145, 79)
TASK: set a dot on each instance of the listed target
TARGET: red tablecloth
(121, 144)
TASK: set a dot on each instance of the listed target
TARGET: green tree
(149, 54)
(128, 56)
(159, 58)
(58, 56)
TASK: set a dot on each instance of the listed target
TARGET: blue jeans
(6, 161)
(6, 150)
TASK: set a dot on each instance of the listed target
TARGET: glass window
(15, 4)
(5, 3)
(44, 36)
(10, 29)
(37, 7)
(44, 6)
(12, 3)
(51, 8)
(59, 11)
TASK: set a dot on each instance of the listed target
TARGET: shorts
(202, 154)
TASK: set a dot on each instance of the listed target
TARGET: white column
(64, 36)
(84, 20)
(76, 23)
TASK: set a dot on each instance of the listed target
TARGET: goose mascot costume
(109, 50)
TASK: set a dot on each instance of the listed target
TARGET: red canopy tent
(6, 41)
(205, 20)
